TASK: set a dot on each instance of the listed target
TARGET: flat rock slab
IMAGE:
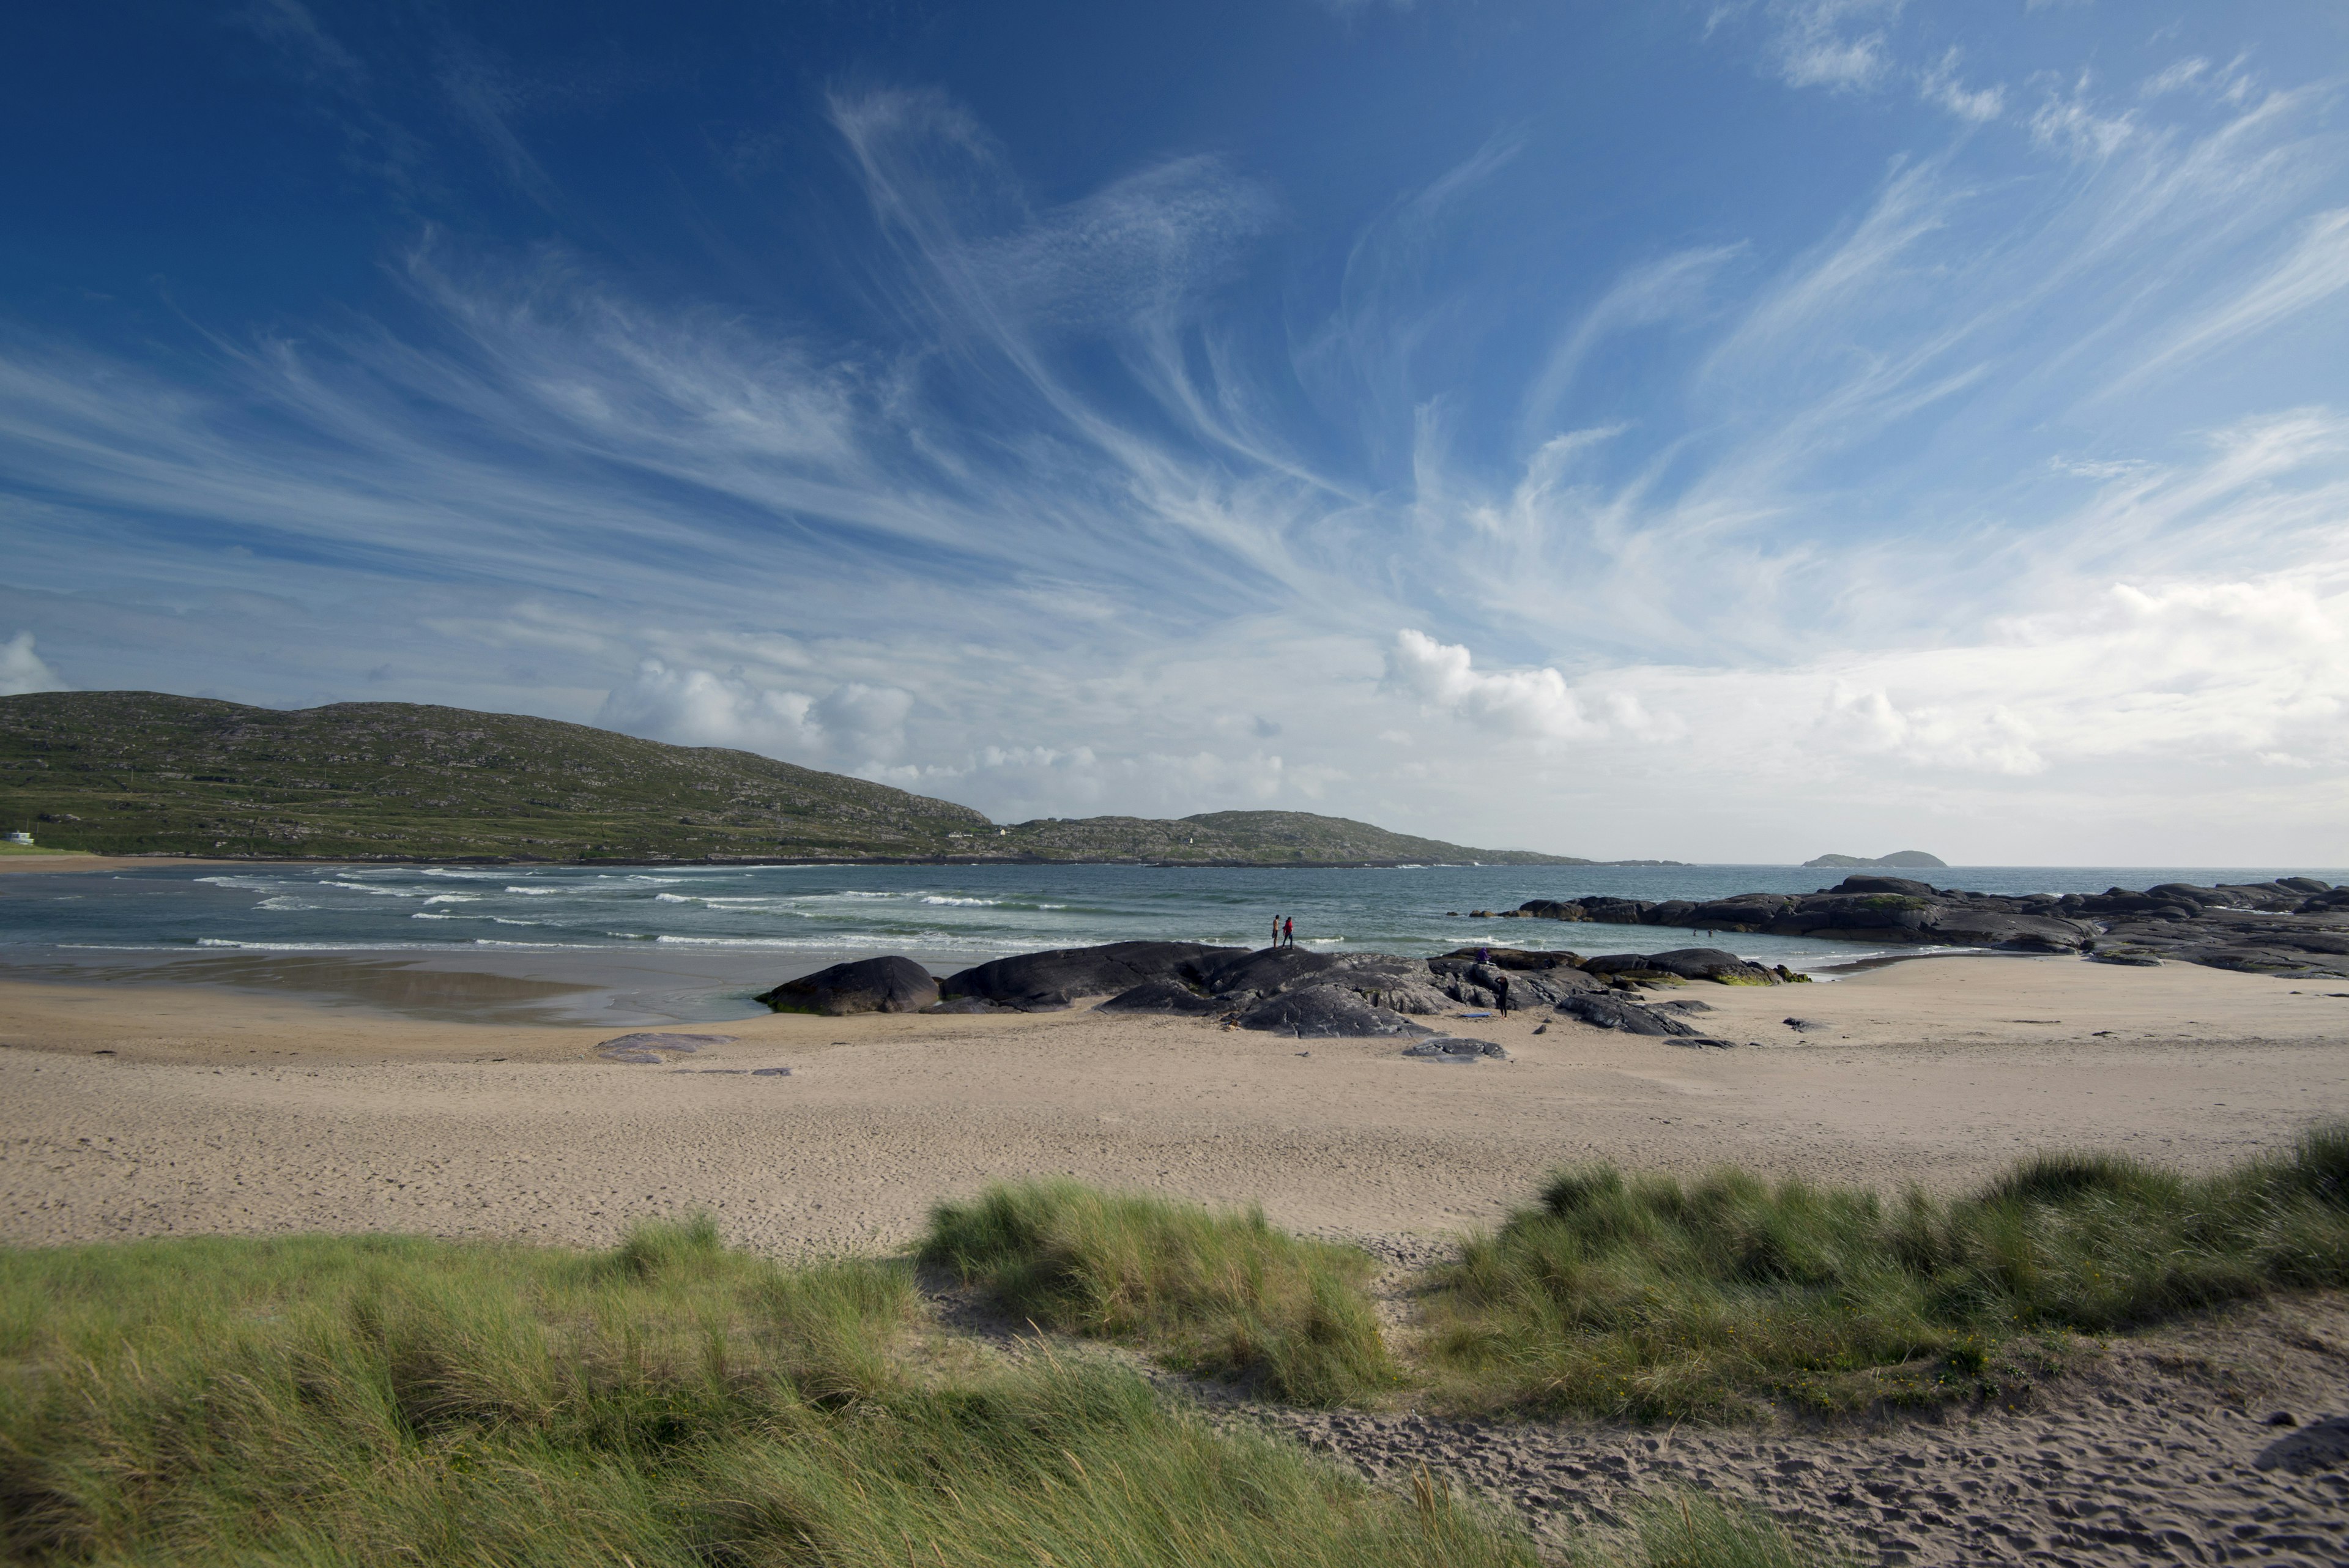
(1609, 1012)
(649, 1046)
(1165, 996)
(1327, 1012)
(1455, 1050)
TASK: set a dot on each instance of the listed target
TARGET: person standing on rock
(1276, 931)
(1288, 932)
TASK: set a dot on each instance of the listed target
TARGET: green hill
(129, 773)
(1252, 837)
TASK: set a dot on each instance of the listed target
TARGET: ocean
(696, 942)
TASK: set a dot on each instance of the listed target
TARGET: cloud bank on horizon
(1723, 431)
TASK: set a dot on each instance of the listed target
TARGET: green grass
(320, 1401)
(1652, 1298)
(1223, 1294)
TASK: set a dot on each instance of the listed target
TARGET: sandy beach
(134, 1110)
(137, 1107)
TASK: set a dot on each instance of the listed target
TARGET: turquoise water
(797, 916)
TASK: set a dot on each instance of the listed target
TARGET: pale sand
(57, 862)
(218, 1111)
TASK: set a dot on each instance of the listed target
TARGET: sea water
(795, 917)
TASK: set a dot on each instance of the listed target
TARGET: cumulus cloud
(853, 724)
(22, 670)
(1533, 704)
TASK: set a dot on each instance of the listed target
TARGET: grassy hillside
(129, 773)
(1251, 837)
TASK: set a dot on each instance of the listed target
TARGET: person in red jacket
(1288, 932)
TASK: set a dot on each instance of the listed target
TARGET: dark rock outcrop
(2295, 926)
(1046, 982)
(1237, 973)
(1326, 1012)
(1683, 963)
(869, 985)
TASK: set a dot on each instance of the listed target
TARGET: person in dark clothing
(1501, 993)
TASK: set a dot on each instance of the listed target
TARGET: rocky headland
(2295, 927)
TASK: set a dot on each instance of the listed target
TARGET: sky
(1720, 431)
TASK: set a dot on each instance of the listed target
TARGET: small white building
(19, 837)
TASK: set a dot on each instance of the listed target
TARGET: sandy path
(2158, 1451)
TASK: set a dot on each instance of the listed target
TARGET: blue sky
(1720, 431)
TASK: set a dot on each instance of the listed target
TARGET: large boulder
(1741, 912)
(1686, 963)
(1046, 982)
(1325, 1011)
(869, 985)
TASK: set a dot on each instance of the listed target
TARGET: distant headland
(1906, 859)
(144, 772)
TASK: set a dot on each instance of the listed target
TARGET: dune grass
(1657, 1299)
(319, 1401)
(1221, 1294)
(1695, 1530)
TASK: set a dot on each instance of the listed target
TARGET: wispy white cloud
(2314, 270)
(1054, 534)
(1838, 44)
(2068, 119)
(1939, 84)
